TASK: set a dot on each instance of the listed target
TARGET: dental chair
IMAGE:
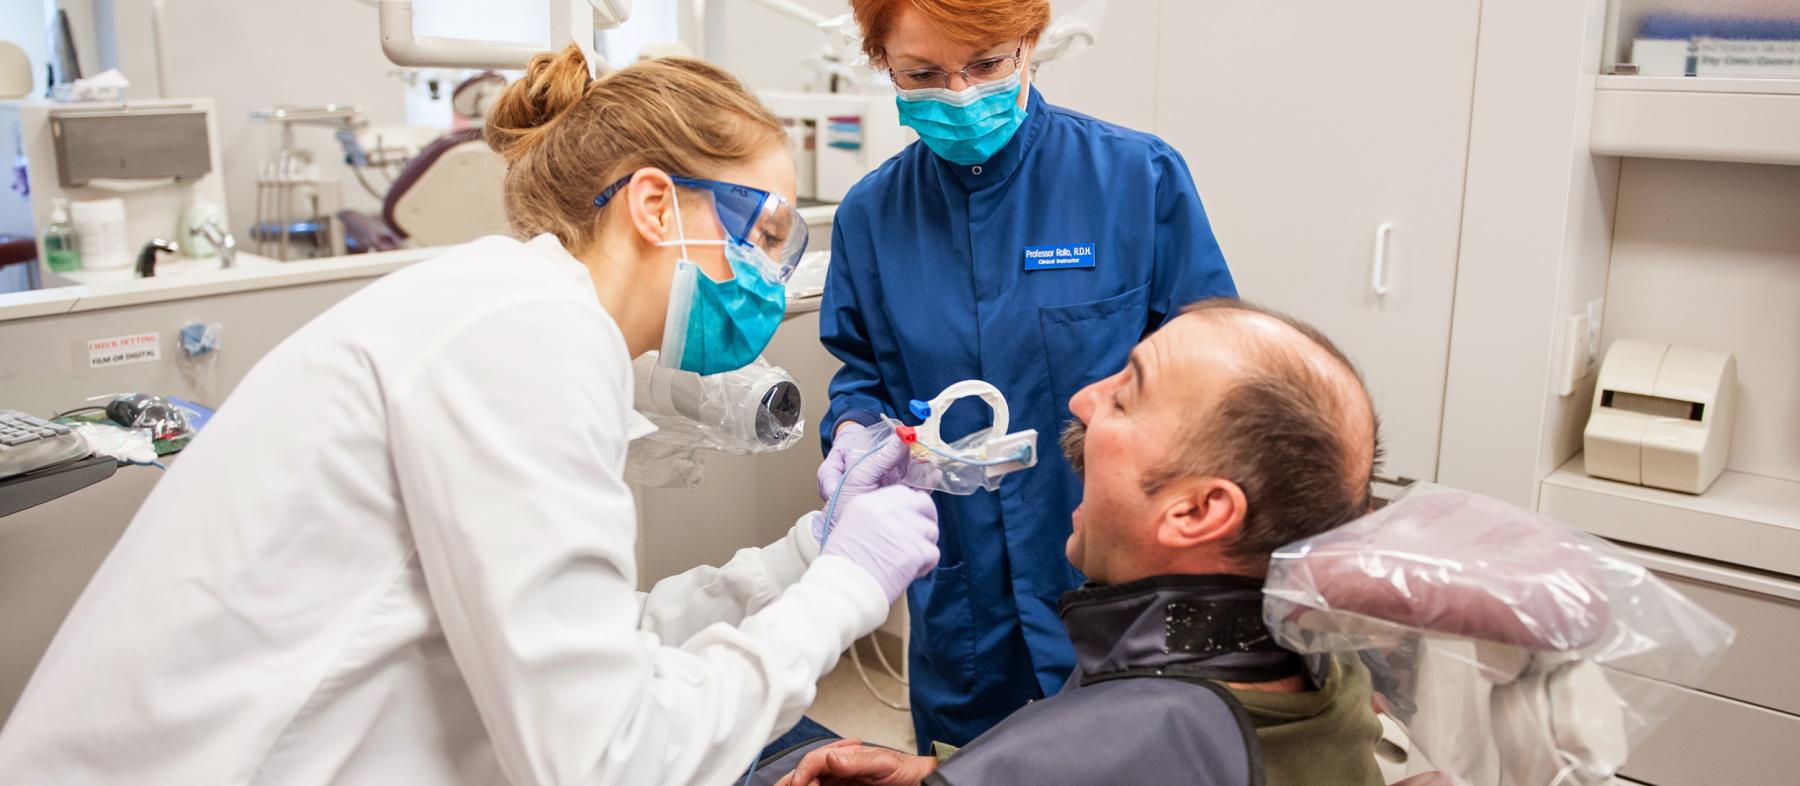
(1510, 650)
(18, 264)
(447, 194)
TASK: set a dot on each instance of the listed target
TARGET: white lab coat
(403, 552)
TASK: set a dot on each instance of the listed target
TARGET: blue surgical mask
(717, 326)
(964, 127)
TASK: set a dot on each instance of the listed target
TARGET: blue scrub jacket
(929, 286)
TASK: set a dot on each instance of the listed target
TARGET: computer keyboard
(30, 443)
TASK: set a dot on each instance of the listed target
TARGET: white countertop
(182, 279)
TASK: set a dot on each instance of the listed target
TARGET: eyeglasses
(750, 216)
(979, 71)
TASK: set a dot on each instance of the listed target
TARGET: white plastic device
(570, 20)
(1662, 416)
(1000, 444)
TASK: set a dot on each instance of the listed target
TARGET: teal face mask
(964, 127)
(717, 326)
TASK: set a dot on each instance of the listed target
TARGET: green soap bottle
(62, 247)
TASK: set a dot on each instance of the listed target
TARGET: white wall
(765, 49)
(1114, 81)
(254, 54)
(1708, 255)
(1117, 79)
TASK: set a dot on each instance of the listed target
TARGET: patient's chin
(1072, 547)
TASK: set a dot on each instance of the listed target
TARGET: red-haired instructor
(1015, 242)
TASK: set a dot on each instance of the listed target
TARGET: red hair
(971, 23)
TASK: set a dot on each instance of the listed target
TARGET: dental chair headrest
(1512, 650)
(1459, 564)
(417, 167)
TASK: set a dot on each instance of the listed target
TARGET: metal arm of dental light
(570, 20)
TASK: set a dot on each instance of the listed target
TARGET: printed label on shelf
(1722, 57)
(123, 350)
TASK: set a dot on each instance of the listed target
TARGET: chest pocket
(1087, 342)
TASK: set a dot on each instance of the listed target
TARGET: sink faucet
(219, 238)
(146, 261)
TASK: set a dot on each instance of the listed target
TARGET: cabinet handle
(1378, 268)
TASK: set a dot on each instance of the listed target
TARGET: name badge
(1069, 255)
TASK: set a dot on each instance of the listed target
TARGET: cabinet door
(1309, 125)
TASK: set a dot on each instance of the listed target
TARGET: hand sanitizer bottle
(62, 248)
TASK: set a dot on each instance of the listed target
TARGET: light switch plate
(1595, 308)
(1576, 358)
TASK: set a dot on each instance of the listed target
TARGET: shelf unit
(1667, 202)
(1754, 121)
(1746, 520)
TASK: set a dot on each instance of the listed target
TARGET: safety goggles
(750, 216)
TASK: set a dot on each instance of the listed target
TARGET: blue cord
(831, 507)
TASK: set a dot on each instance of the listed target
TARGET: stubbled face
(1125, 427)
(912, 43)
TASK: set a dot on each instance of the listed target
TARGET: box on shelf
(1675, 44)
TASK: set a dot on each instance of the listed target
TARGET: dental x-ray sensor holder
(979, 459)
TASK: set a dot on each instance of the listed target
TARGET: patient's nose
(1082, 403)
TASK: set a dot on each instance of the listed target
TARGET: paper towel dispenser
(130, 144)
(1662, 416)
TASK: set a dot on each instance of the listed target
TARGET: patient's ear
(1200, 511)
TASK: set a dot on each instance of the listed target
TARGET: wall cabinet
(1328, 141)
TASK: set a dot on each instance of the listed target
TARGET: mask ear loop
(681, 232)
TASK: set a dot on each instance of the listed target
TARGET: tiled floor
(845, 706)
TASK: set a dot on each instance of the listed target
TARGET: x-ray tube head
(755, 409)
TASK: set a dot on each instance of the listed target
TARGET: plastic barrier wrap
(1513, 649)
(962, 467)
(756, 409)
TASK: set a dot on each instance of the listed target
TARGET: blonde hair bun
(565, 137)
(554, 83)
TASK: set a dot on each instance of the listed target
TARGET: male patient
(1232, 432)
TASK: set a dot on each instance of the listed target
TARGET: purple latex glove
(890, 532)
(852, 440)
(852, 470)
